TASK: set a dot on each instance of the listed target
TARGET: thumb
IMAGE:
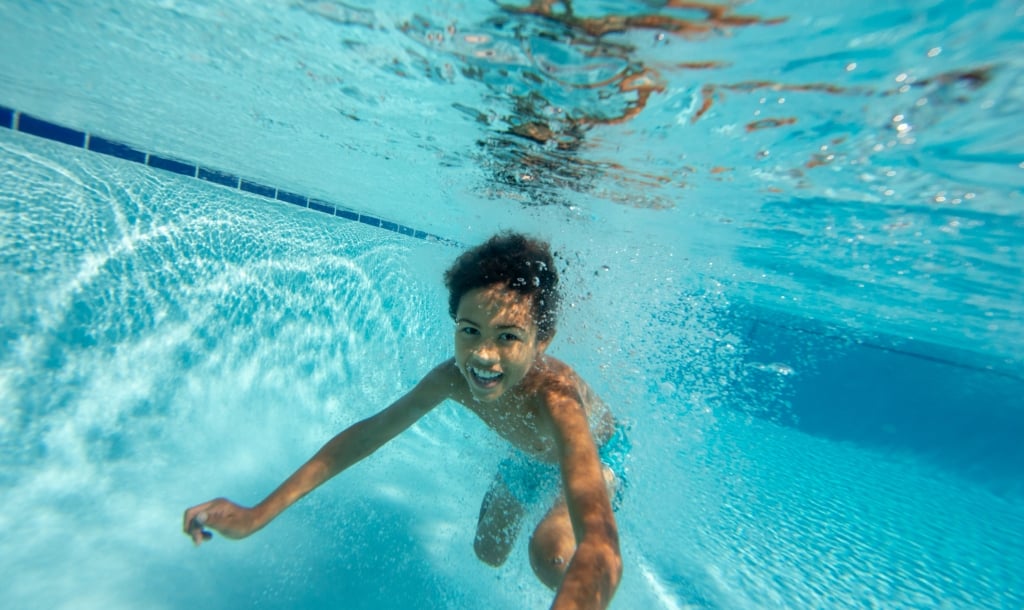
(195, 527)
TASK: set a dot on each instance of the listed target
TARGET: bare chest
(520, 425)
(517, 418)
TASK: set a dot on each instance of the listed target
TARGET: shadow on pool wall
(887, 396)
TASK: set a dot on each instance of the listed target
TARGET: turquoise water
(792, 246)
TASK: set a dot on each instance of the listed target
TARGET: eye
(509, 337)
(469, 330)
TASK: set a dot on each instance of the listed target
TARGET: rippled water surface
(870, 148)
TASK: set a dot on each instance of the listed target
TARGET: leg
(500, 517)
(554, 543)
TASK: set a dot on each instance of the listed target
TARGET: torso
(517, 416)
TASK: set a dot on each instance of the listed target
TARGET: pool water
(791, 247)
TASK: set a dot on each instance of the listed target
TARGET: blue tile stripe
(258, 189)
(321, 206)
(299, 200)
(32, 125)
(221, 178)
(51, 131)
(116, 149)
(171, 165)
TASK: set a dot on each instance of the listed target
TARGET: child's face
(495, 340)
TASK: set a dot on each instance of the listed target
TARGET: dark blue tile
(258, 189)
(51, 131)
(321, 206)
(171, 165)
(291, 198)
(224, 179)
(370, 220)
(11, 119)
(116, 149)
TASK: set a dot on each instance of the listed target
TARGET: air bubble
(778, 368)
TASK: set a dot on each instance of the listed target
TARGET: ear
(542, 346)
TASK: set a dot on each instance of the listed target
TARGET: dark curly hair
(520, 263)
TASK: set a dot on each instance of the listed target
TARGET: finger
(200, 536)
(195, 529)
(190, 514)
(196, 522)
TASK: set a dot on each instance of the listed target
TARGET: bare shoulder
(443, 379)
(565, 394)
(561, 380)
(441, 383)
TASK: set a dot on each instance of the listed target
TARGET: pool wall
(32, 125)
(883, 392)
(959, 412)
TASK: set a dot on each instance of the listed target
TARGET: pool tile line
(32, 125)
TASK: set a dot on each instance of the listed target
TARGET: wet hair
(519, 263)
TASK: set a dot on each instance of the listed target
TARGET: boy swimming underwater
(503, 296)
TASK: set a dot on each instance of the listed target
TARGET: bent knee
(550, 556)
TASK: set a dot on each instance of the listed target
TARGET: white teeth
(488, 375)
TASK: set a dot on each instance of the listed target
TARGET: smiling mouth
(484, 379)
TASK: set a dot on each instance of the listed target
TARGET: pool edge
(30, 124)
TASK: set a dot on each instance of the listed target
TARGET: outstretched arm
(345, 449)
(593, 575)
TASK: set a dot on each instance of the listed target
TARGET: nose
(486, 352)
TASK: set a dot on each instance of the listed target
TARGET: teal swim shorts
(531, 480)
